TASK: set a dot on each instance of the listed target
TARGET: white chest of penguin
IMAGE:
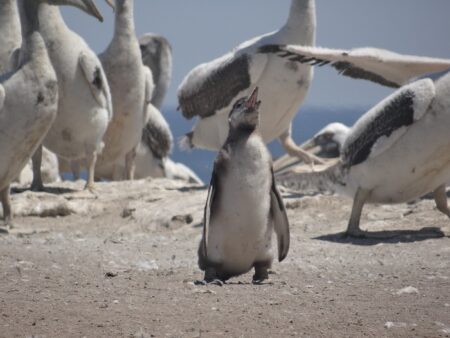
(239, 230)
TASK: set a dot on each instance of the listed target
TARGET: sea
(308, 121)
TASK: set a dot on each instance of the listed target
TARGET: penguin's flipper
(280, 220)
(207, 211)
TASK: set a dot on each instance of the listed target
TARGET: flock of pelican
(102, 112)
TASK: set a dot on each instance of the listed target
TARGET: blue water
(308, 121)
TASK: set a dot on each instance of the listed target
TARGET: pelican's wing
(215, 85)
(378, 129)
(377, 65)
(2, 96)
(96, 79)
(156, 134)
(280, 220)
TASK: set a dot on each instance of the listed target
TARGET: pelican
(327, 143)
(10, 37)
(157, 56)
(152, 154)
(282, 83)
(85, 109)
(131, 88)
(399, 150)
(28, 97)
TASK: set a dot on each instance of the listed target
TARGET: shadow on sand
(385, 236)
(49, 190)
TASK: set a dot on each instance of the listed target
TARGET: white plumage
(28, 99)
(399, 150)
(131, 88)
(210, 89)
(84, 106)
(10, 37)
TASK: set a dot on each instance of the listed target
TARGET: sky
(201, 30)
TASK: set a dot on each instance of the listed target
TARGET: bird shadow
(49, 190)
(385, 236)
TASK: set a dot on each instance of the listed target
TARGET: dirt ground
(122, 263)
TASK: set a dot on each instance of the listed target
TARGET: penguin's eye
(238, 104)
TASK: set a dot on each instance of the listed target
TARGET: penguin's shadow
(385, 236)
(49, 190)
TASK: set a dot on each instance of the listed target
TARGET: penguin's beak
(111, 4)
(252, 101)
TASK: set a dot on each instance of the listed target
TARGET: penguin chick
(243, 206)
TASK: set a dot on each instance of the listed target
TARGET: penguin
(243, 205)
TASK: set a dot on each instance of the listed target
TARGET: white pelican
(28, 97)
(84, 106)
(131, 89)
(210, 90)
(399, 150)
(327, 143)
(157, 55)
(396, 152)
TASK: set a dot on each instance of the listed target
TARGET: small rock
(407, 290)
(127, 212)
(390, 325)
(110, 274)
(188, 219)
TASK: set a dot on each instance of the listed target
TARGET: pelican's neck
(33, 45)
(54, 22)
(300, 26)
(29, 10)
(124, 26)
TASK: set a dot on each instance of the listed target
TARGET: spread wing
(384, 124)
(215, 85)
(207, 212)
(377, 65)
(280, 220)
(156, 134)
(96, 79)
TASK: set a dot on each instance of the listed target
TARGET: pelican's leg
(358, 204)
(440, 197)
(75, 167)
(37, 185)
(6, 204)
(294, 150)
(91, 160)
(130, 164)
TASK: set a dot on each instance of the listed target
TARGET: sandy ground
(122, 264)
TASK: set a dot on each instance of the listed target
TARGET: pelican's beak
(111, 4)
(252, 101)
(309, 144)
(90, 8)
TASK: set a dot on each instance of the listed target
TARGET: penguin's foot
(258, 281)
(261, 273)
(205, 282)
